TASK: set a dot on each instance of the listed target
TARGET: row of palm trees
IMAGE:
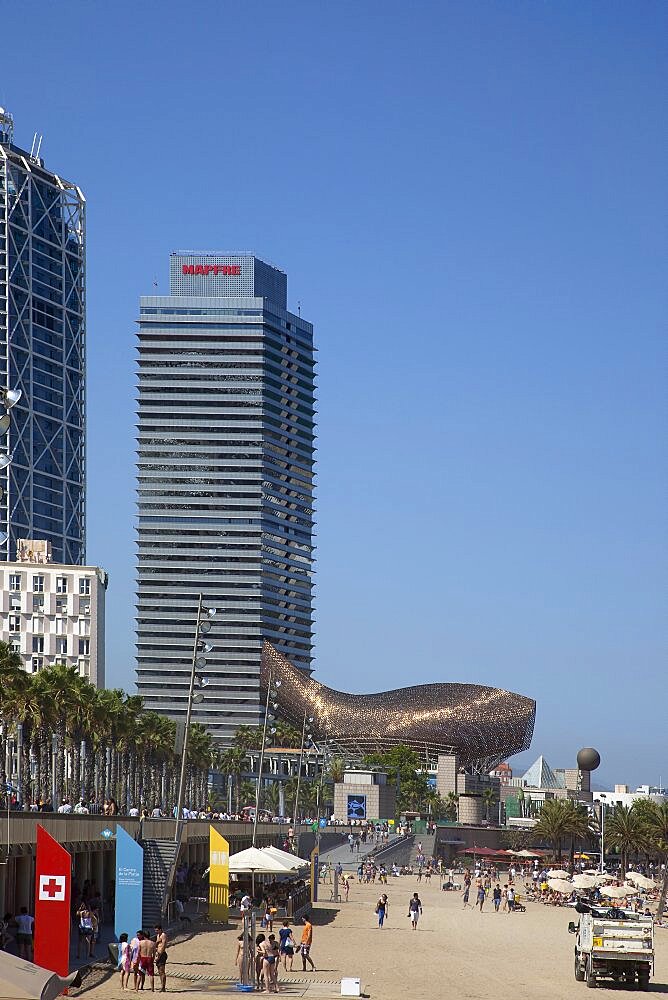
(64, 738)
(638, 832)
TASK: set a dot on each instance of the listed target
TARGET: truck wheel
(591, 978)
(643, 979)
(579, 972)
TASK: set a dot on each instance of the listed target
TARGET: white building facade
(51, 613)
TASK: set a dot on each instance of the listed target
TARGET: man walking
(414, 910)
(305, 944)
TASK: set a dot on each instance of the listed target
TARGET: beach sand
(457, 954)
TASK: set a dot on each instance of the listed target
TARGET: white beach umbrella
(617, 891)
(557, 873)
(285, 857)
(640, 880)
(257, 861)
(560, 885)
(584, 881)
(603, 877)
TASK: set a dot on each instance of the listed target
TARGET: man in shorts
(24, 928)
(305, 944)
(161, 956)
(146, 961)
(414, 910)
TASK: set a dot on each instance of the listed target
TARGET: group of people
(17, 932)
(414, 910)
(269, 952)
(141, 958)
(504, 899)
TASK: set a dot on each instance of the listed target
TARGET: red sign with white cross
(52, 904)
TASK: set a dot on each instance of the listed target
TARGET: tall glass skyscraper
(42, 352)
(225, 483)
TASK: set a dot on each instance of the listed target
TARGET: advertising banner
(219, 876)
(356, 807)
(129, 885)
(315, 874)
(52, 904)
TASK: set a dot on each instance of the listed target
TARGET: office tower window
(38, 584)
(37, 663)
(84, 585)
(38, 602)
(84, 647)
(37, 623)
(38, 644)
(61, 584)
(14, 623)
(15, 581)
(61, 644)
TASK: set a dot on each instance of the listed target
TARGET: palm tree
(489, 799)
(626, 831)
(656, 827)
(451, 806)
(552, 825)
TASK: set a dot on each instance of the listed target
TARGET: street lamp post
(199, 646)
(295, 815)
(272, 693)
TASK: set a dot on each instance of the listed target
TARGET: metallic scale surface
(477, 723)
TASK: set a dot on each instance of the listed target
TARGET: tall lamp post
(588, 760)
(200, 646)
(272, 695)
(8, 398)
(295, 815)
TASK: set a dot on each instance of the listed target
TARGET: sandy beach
(463, 955)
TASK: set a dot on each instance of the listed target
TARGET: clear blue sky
(469, 200)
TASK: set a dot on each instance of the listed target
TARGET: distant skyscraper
(42, 341)
(225, 477)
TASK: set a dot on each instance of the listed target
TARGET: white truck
(612, 944)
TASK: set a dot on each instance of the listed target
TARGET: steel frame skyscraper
(225, 483)
(42, 351)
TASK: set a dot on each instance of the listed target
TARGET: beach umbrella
(617, 891)
(603, 877)
(640, 880)
(527, 854)
(584, 881)
(291, 860)
(560, 885)
(557, 873)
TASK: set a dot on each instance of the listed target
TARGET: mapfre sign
(206, 269)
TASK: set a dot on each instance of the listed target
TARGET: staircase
(160, 858)
(428, 841)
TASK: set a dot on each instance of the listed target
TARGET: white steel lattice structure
(42, 352)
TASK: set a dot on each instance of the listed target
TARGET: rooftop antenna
(36, 146)
(299, 308)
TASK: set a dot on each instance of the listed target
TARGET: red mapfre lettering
(233, 270)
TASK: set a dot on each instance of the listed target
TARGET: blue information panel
(129, 884)
(357, 807)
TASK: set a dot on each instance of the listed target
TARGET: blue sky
(469, 200)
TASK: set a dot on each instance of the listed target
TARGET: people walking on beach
(496, 895)
(465, 897)
(161, 956)
(287, 945)
(511, 898)
(382, 909)
(414, 910)
(305, 944)
(480, 897)
(259, 960)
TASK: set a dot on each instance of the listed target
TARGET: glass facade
(225, 484)
(42, 353)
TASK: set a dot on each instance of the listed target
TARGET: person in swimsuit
(268, 965)
(287, 945)
(259, 959)
(146, 961)
(124, 959)
(480, 897)
(161, 956)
